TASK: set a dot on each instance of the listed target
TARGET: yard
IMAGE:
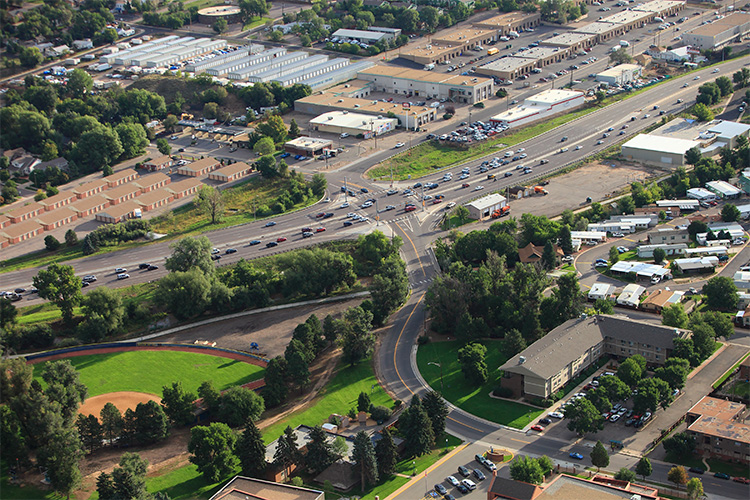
(456, 389)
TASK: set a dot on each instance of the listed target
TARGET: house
(551, 362)
(60, 163)
(705, 251)
(745, 369)
(532, 253)
(21, 163)
(602, 291)
(701, 194)
(90, 188)
(660, 299)
(742, 280)
(154, 181)
(631, 296)
(158, 163)
(84, 44)
(719, 429)
(199, 168)
(241, 487)
(118, 213)
(697, 264)
(641, 270)
(89, 205)
(669, 237)
(589, 237)
(678, 204)
(647, 251)
(58, 51)
(25, 212)
(612, 227)
(16, 233)
(724, 190)
(121, 177)
(232, 172)
(184, 188)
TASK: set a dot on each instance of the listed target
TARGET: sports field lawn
(149, 371)
(338, 396)
(459, 391)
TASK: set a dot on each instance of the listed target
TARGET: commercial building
(307, 146)
(362, 36)
(483, 207)
(418, 83)
(574, 42)
(200, 167)
(657, 150)
(677, 205)
(669, 236)
(712, 136)
(507, 68)
(510, 21)
(158, 163)
(241, 488)
(548, 364)
(620, 74)
(719, 429)
(612, 227)
(232, 172)
(724, 190)
(568, 487)
(718, 32)
(465, 37)
(541, 106)
(343, 122)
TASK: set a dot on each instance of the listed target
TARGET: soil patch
(122, 400)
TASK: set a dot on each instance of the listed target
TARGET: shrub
(51, 243)
(380, 413)
(502, 392)
(423, 339)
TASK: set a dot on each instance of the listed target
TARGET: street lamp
(441, 375)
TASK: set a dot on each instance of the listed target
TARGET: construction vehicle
(501, 212)
(540, 190)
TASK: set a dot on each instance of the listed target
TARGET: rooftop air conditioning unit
(330, 118)
(521, 360)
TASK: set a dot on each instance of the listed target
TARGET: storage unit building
(16, 233)
(154, 181)
(90, 205)
(154, 199)
(118, 213)
(183, 188)
(121, 177)
(122, 193)
(231, 172)
(25, 212)
(56, 218)
(200, 167)
(158, 163)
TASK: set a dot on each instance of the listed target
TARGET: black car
(696, 470)
(271, 244)
(417, 185)
(479, 475)
(254, 242)
(215, 257)
(143, 266)
(152, 268)
(441, 489)
(230, 250)
(181, 150)
(545, 421)
(364, 190)
(348, 223)
(20, 290)
(328, 215)
(463, 489)
(463, 471)
(271, 223)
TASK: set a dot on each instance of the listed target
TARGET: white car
(716, 70)
(345, 205)
(618, 235)
(214, 251)
(367, 204)
(452, 480)
(615, 417)
(344, 135)
(478, 188)
(450, 205)
(578, 147)
(469, 484)
(123, 276)
(556, 414)
(399, 144)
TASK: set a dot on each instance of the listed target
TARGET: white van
(624, 43)
(513, 34)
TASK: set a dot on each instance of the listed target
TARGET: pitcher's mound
(122, 400)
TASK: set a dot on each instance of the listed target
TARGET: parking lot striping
(419, 477)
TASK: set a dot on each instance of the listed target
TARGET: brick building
(16, 233)
(118, 213)
(200, 167)
(719, 429)
(231, 172)
(158, 163)
(121, 177)
(184, 188)
(90, 205)
(154, 181)
(154, 199)
(90, 188)
(25, 212)
(56, 218)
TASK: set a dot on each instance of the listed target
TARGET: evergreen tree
(599, 456)
(386, 454)
(296, 361)
(363, 402)
(566, 241)
(420, 436)
(90, 431)
(275, 390)
(251, 450)
(286, 453)
(129, 479)
(178, 404)
(434, 404)
(549, 259)
(364, 458)
(319, 453)
(212, 450)
(293, 129)
(60, 455)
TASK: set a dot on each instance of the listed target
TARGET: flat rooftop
(626, 17)
(351, 120)
(504, 19)
(721, 25)
(508, 64)
(540, 52)
(567, 39)
(433, 50)
(368, 105)
(552, 96)
(597, 28)
(659, 5)
(461, 36)
(659, 143)
(425, 76)
(701, 131)
(349, 87)
(617, 70)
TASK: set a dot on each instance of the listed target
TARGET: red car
(742, 480)
(320, 230)
(306, 230)
(464, 185)
(436, 201)
(280, 239)
(321, 215)
(537, 428)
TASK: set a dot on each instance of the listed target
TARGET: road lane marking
(465, 425)
(415, 249)
(520, 440)
(398, 339)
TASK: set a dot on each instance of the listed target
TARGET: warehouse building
(118, 213)
(657, 150)
(510, 21)
(307, 146)
(467, 38)
(431, 53)
(89, 205)
(662, 8)
(603, 31)
(418, 83)
(274, 73)
(719, 32)
(483, 207)
(545, 56)
(507, 68)
(620, 74)
(575, 42)
(200, 167)
(541, 106)
(338, 75)
(362, 36)
(56, 218)
(252, 67)
(343, 122)
(231, 173)
(158, 163)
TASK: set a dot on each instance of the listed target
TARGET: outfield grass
(149, 371)
(457, 390)
(338, 396)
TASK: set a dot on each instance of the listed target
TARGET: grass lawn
(338, 396)
(149, 371)
(741, 389)
(729, 372)
(256, 21)
(691, 461)
(733, 470)
(457, 390)
(28, 492)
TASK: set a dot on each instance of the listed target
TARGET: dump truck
(501, 212)
(540, 190)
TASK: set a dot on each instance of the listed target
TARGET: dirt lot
(271, 331)
(602, 181)
(122, 400)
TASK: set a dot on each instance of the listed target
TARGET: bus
(492, 51)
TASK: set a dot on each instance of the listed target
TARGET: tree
(566, 241)
(252, 8)
(730, 213)
(720, 293)
(694, 488)
(693, 155)
(111, 420)
(185, 294)
(60, 455)
(286, 453)
(652, 392)
(514, 343)
(355, 336)
(583, 417)
(319, 453)
(210, 201)
(386, 454)
(318, 184)
(64, 387)
(614, 255)
(51, 243)
(364, 459)
(251, 451)
(274, 128)
(8, 313)
(264, 146)
(678, 475)
(90, 431)
(741, 77)
(417, 429)
(527, 470)
(674, 315)
(127, 481)
(473, 365)
(549, 258)
(238, 405)
(133, 139)
(625, 474)
(680, 444)
(725, 85)
(659, 255)
(79, 83)
(363, 402)
(212, 450)
(71, 239)
(151, 424)
(599, 456)
(220, 25)
(294, 130)
(275, 390)
(178, 404)
(434, 404)
(389, 288)
(30, 57)
(630, 372)
(643, 468)
(189, 253)
(702, 112)
(721, 323)
(163, 146)
(674, 372)
(267, 166)
(102, 307)
(620, 56)
(604, 306)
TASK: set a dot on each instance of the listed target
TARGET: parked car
(452, 481)
(576, 456)
(463, 471)
(556, 414)
(545, 421)
(696, 470)
(722, 475)
(479, 475)
(469, 484)
(537, 428)
(441, 489)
